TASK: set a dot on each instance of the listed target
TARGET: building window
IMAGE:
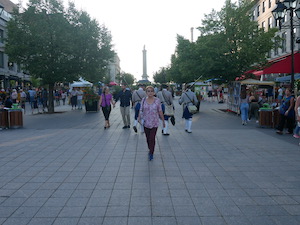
(1, 36)
(264, 6)
(295, 32)
(283, 43)
(253, 15)
(276, 48)
(257, 11)
(1, 60)
(263, 25)
(10, 65)
(18, 68)
(270, 3)
(270, 22)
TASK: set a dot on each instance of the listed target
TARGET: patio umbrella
(112, 83)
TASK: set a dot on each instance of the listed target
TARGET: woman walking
(244, 105)
(188, 98)
(105, 102)
(149, 115)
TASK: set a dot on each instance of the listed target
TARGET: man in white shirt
(79, 98)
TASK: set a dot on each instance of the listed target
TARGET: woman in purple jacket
(106, 100)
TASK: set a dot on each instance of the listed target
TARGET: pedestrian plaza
(66, 169)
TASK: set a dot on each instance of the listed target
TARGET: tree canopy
(58, 44)
(230, 44)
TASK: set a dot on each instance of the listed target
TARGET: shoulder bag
(169, 109)
(192, 108)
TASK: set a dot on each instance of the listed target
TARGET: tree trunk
(51, 98)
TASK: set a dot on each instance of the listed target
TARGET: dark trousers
(150, 136)
(106, 112)
(254, 108)
(289, 121)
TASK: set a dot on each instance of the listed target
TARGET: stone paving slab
(66, 169)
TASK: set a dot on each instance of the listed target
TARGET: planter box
(91, 107)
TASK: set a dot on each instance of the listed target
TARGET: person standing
(32, 96)
(106, 100)
(188, 98)
(63, 97)
(22, 98)
(166, 100)
(73, 95)
(14, 96)
(79, 98)
(280, 93)
(244, 105)
(253, 107)
(297, 112)
(125, 97)
(150, 112)
(287, 112)
(137, 97)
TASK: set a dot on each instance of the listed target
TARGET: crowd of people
(38, 98)
(284, 100)
(153, 108)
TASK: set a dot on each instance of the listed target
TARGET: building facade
(11, 74)
(262, 13)
(114, 68)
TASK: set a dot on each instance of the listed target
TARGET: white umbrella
(81, 83)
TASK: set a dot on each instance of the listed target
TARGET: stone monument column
(144, 76)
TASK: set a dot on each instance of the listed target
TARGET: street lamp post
(279, 13)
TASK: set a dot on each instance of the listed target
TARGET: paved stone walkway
(66, 169)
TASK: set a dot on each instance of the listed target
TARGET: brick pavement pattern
(65, 169)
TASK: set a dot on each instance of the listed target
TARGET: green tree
(57, 45)
(185, 63)
(230, 44)
(127, 78)
(161, 76)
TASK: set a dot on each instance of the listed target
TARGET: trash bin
(15, 118)
(4, 118)
(266, 117)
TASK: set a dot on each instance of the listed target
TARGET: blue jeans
(244, 111)
(297, 130)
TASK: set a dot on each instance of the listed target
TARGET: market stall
(234, 91)
(81, 83)
(200, 88)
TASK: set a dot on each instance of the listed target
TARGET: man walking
(137, 97)
(167, 101)
(125, 98)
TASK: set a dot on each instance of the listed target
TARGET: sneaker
(279, 132)
(124, 127)
(128, 126)
(296, 136)
(134, 128)
(151, 157)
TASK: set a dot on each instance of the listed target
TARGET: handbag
(173, 120)
(192, 108)
(169, 109)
